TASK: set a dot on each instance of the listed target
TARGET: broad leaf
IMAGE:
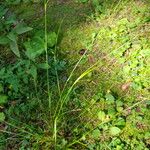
(14, 82)
(11, 20)
(101, 115)
(2, 11)
(34, 48)
(114, 131)
(12, 36)
(20, 29)
(120, 122)
(109, 97)
(43, 66)
(14, 48)
(33, 71)
(51, 39)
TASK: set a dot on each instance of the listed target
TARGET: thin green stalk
(58, 83)
(55, 60)
(76, 81)
(55, 132)
(46, 51)
(60, 98)
(63, 100)
(71, 74)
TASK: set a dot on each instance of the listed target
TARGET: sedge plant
(63, 95)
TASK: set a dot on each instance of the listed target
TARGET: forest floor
(109, 107)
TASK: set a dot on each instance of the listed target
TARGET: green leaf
(34, 48)
(3, 99)
(101, 115)
(4, 40)
(119, 103)
(119, 109)
(123, 21)
(43, 66)
(84, 1)
(14, 48)
(11, 20)
(12, 36)
(126, 69)
(20, 29)
(120, 122)
(2, 116)
(51, 39)
(2, 11)
(14, 82)
(114, 131)
(111, 112)
(118, 147)
(109, 97)
(33, 71)
(96, 134)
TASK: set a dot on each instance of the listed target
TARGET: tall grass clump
(57, 109)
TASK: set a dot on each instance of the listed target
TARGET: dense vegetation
(74, 75)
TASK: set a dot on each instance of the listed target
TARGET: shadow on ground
(71, 12)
